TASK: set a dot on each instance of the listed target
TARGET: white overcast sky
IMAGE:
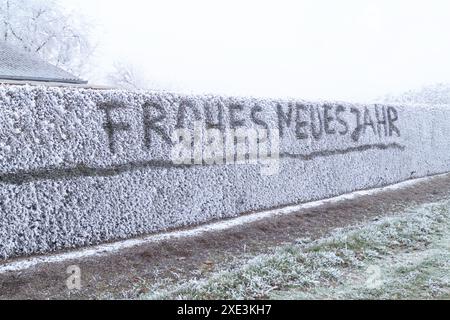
(312, 49)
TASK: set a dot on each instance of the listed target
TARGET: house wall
(80, 167)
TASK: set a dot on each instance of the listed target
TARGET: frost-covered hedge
(81, 167)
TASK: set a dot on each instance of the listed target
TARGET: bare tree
(44, 28)
(126, 76)
(130, 75)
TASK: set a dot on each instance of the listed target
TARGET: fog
(313, 49)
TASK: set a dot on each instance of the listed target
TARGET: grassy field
(404, 256)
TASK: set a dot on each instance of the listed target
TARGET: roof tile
(16, 64)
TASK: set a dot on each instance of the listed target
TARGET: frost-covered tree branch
(45, 28)
(126, 76)
(129, 75)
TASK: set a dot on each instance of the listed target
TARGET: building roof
(18, 65)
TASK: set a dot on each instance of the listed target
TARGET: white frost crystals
(230, 147)
(82, 167)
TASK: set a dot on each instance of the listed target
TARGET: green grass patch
(339, 265)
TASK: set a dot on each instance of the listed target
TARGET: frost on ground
(402, 256)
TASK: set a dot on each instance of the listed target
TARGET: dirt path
(128, 273)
